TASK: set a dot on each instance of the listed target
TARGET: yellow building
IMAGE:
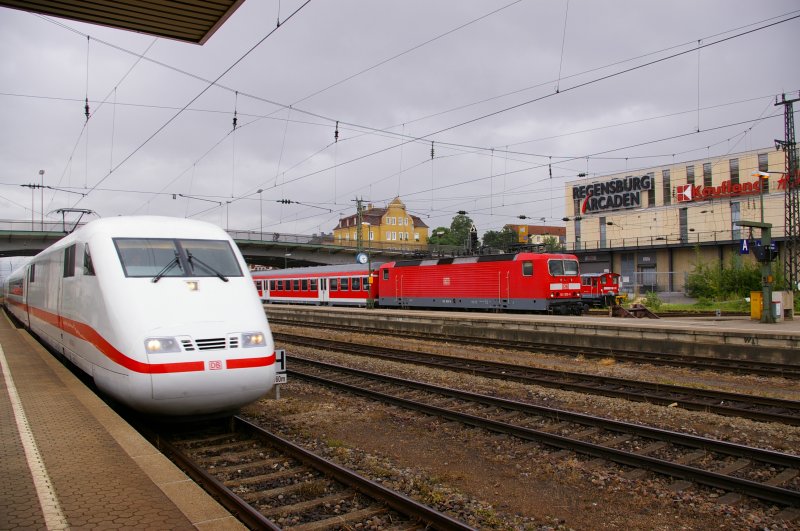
(653, 225)
(392, 227)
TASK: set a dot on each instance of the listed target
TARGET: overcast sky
(517, 97)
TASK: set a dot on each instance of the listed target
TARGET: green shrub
(652, 300)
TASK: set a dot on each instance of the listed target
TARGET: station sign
(614, 194)
(280, 367)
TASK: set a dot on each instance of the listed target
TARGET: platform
(721, 337)
(68, 461)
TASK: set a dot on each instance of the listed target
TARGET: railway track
(782, 370)
(763, 409)
(765, 475)
(269, 483)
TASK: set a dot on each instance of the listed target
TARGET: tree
(501, 240)
(552, 245)
(440, 236)
(460, 228)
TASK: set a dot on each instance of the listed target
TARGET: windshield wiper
(166, 268)
(192, 259)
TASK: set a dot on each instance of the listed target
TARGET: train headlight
(253, 339)
(161, 345)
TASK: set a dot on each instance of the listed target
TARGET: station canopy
(188, 20)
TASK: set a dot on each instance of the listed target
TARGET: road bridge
(27, 238)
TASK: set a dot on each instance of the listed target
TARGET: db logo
(214, 365)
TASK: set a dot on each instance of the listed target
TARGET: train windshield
(563, 267)
(166, 257)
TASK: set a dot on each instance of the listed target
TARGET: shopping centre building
(654, 225)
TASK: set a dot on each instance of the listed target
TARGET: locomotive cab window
(162, 257)
(527, 268)
(563, 267)
(385, 274)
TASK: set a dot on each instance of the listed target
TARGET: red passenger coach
(523, 282)
(336, 285)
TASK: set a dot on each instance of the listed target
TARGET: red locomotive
(532, 282)
(599, 290)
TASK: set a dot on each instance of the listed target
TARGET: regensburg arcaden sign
(613, 194)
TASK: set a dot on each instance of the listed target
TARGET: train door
(324, 291)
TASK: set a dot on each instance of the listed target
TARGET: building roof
(544, 230)
(188, 20)
(373, 216)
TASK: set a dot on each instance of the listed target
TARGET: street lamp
(761, 175)
(261, 213)
(41, 174)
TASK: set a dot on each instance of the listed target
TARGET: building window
(416, 236)
(603, 232)
(371, 236)
(763, 165)
(734, 166)
(683, 224)
(651, 193)
(666, 187)
(690, 175)
(736, 215)
(707, 181)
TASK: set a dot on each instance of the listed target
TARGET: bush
(714, 281)
(652, 300)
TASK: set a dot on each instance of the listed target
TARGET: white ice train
(160, 312)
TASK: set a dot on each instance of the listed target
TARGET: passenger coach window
(356, 283)
(313, 284)
(296, 284)
(345, 284)
(280, 285)
(272, 285)
(305, 284)
(527, 269)
(69, 261)
(365, 283)
(334, 284)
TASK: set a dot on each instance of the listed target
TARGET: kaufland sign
(690, 192)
